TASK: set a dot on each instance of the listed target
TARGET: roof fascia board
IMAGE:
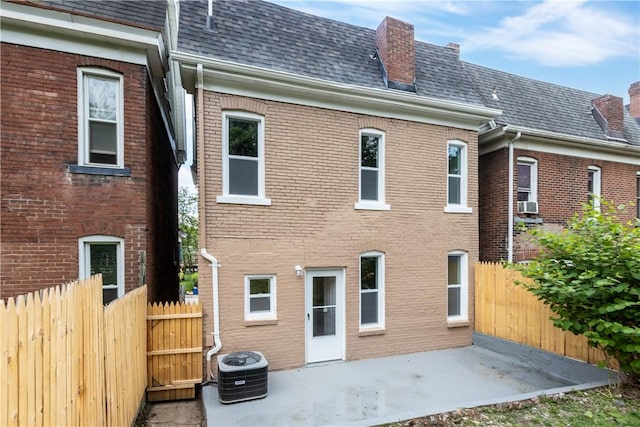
(554, 143)
(245, 80)
(37, 27)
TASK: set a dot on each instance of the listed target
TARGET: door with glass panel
(324, 315)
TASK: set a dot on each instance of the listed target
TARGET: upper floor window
(372, 290)
(243, 159)
(527, 179)
(593, 186)
(372, 179)
(260, 297)
(457, 286)
(103, 255)
(100, 118)
(457, 177)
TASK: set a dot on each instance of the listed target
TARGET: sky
(588, 45)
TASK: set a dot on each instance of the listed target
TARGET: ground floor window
(260, 297)
(372, 290)
(457, 287)
(103, 255)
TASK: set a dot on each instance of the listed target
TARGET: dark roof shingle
(270, 36)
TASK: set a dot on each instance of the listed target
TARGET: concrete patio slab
(376, 391)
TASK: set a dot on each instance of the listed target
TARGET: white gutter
(510, 198)
(216, 314)
(246, 80)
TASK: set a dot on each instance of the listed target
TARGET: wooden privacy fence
(174, 350)
(66, 360)
(507, 311)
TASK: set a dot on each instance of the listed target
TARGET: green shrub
(589, 275)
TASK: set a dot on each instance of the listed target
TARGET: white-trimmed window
(457, 286)
(243, 159)
(527, 179)
(372, 290)
(260, 297)
(457, 177)
(103, 255)
(593, 186)
(372, 171)
(100, 118)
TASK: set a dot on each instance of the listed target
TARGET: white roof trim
(35, 26)
(562, 144)
(238, 79)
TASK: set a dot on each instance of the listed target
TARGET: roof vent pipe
(211, 24)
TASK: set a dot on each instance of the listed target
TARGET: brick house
(565, 145)
(90, 153)
(338, 184)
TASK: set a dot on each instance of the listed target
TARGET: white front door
(324, 315)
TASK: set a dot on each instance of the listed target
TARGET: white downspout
(510, 210)
(216, 315)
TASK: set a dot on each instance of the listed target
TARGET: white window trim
(461, 207)
(375, 205)
(84, 259)
(464, 287)
(266, 315)
(380, 290)
(597, 185)
(244, 199)
(83, 115)
(534, 176)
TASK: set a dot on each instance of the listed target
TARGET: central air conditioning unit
(528, 207)
(242, 376)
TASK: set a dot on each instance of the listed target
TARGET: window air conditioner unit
(528, 207)
(242, 376)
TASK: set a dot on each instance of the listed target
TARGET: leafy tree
(589, 275)
(188, 224)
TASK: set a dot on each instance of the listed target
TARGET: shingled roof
(270, 36)
(149, 14)
(262, 34)
(543, 106)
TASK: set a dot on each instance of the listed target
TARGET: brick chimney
(634, 104)
(611, 109)
(396, 50)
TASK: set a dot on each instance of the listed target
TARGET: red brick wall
(45, 208)
(562, 188)
(493, 189)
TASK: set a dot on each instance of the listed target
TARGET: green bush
(589, 275)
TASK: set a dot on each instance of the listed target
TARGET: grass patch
(606, 406)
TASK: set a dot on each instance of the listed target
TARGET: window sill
(96, 170)
(244, 200)
(457, 209)
(371, 332)
(372, 206)
(249, 323)
(458, 323)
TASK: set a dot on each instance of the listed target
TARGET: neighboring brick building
(568, 145)
(337, 192)
(89, 152)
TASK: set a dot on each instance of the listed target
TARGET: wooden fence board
(174, 350)
(52, 352)
(513, 313)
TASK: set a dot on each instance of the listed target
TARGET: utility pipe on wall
(217, 343)
(510, 198)
(216, 316)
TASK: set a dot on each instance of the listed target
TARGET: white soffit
(237, 79)
(565, 145)
(65, 32)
